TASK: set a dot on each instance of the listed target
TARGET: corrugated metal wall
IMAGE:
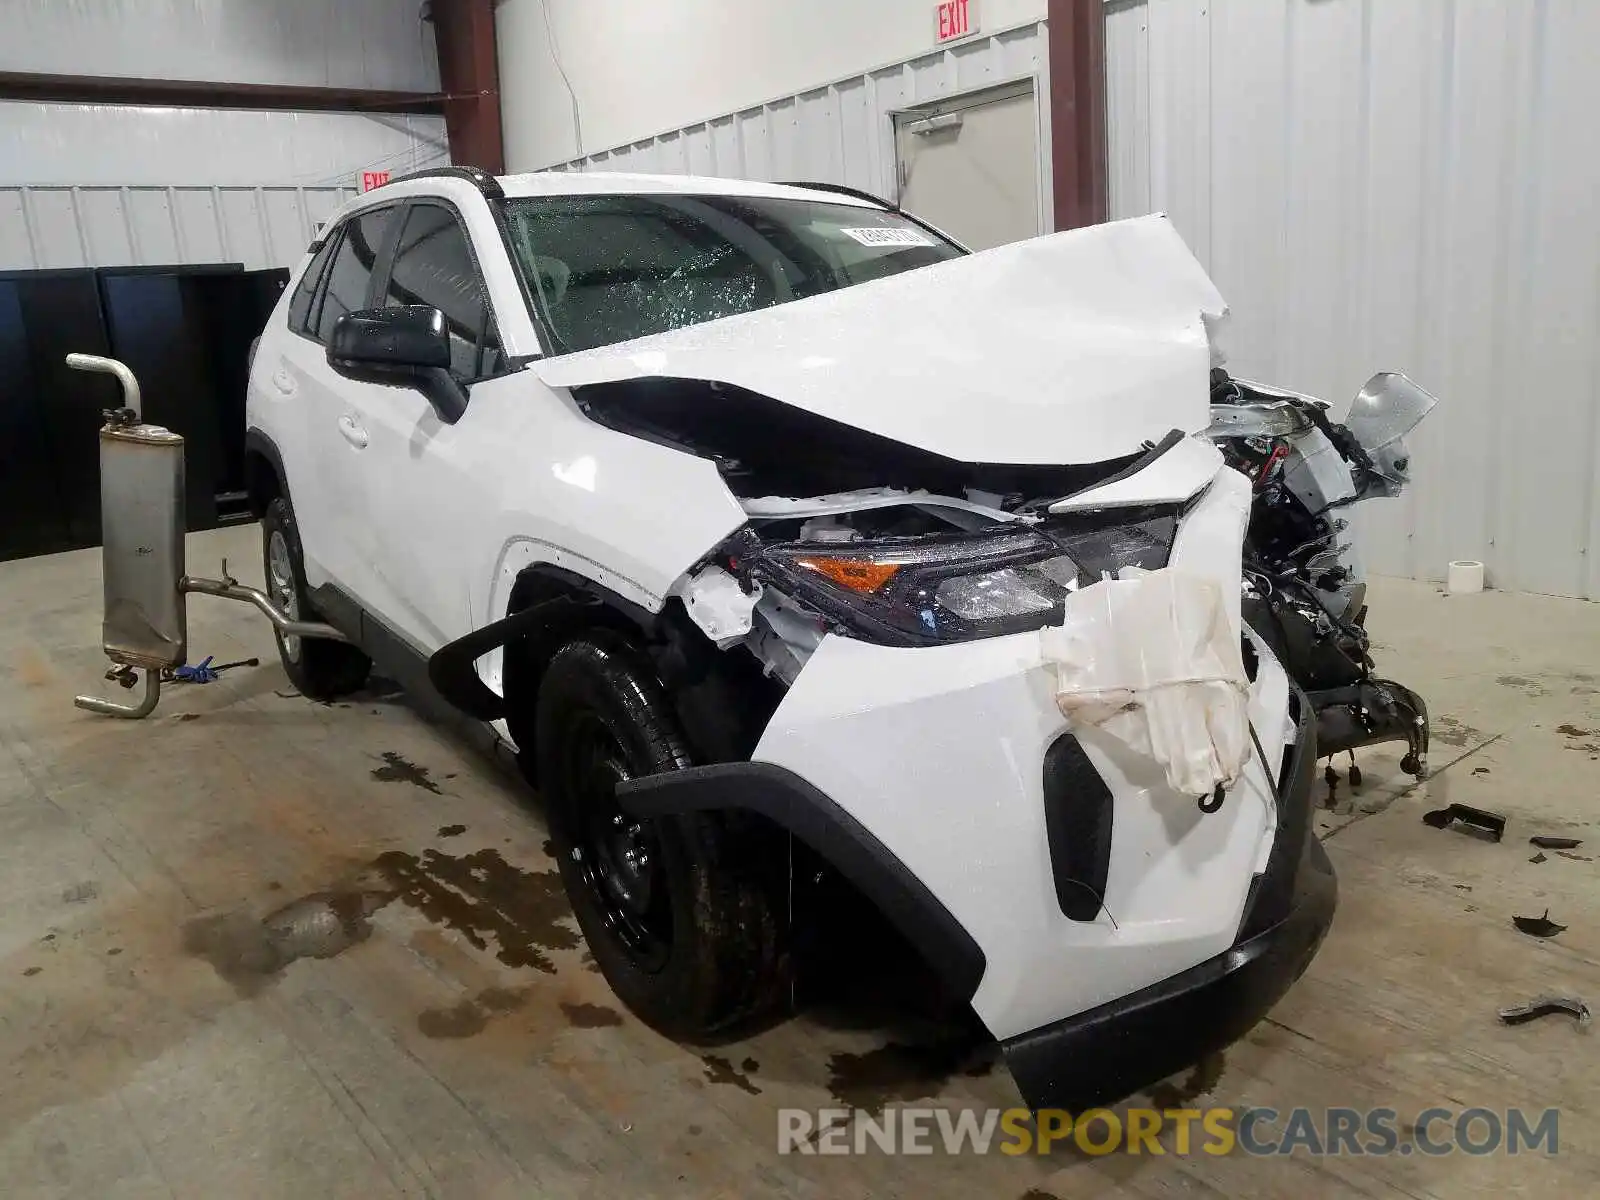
(43, 227)
(109, 185)
(1397, 184)
(842, 133)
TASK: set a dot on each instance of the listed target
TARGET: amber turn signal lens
(857, 574)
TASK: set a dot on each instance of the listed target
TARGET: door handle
(350, 429)
(283, 381)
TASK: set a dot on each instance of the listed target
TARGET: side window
(300, 302)
(351, 272)
(433, 265)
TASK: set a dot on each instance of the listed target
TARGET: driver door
(326, 494)
(420, 491)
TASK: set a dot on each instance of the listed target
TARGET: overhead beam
(463, 32)
(1077, 47)
(195, 93)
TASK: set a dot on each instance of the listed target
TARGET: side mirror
(408, 346)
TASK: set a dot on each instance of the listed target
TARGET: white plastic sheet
(1151, 660)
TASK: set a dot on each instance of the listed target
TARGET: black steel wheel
(682, 914)
(617, 858)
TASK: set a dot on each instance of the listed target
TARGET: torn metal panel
(1185, 469)
(1073, 348)
(785, 507)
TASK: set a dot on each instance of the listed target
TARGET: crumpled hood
(1071, 348)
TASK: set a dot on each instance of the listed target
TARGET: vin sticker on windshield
(879, 235)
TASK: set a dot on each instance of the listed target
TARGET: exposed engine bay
(1304, 591)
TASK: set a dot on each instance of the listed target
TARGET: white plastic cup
(1464, 577)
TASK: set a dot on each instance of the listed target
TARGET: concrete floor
(152, 1046)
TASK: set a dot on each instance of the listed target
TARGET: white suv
(771, 527)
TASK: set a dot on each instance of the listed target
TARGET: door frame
(1032, 83)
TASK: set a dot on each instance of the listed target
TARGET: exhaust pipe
(142, 521)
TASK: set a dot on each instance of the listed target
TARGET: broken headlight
(913, 591)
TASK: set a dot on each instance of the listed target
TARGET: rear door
(327, 494)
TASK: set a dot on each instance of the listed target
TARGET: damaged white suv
(771, 527)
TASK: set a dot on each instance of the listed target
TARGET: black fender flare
(787, 800)
(451, 667)
(259, 444)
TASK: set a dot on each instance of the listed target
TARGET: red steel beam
(463, 31)
(1077, 48)
(196, 93)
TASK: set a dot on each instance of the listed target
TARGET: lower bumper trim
(1103, 1055)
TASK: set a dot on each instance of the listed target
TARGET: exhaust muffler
(143, 522)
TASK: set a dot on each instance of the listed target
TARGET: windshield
(605, 269)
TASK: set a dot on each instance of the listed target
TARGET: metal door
(971, 166)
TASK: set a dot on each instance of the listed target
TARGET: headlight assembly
(916, 591)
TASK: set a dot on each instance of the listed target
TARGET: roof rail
(843, 190)
(482, 180)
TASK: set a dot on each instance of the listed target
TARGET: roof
(615, 183)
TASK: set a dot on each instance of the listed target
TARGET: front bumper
(1102, 1055)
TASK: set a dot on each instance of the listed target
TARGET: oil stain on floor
(720, 1070)
(1453, 732)
(591, 1016)
(524, 914)
(901, 1072)
(520, 915)
(399, 769)
(250, 953)
(470, 1016)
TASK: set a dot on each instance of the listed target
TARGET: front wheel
(319, 669)
(682, 914)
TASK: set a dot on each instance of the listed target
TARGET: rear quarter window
(300, 302)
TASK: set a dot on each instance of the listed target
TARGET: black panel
(232, 311)
(60, 314)
(1077, 823)
(32, 519)
(162, 339)
(186, 333)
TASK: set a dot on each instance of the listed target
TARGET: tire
(688, 931)
(318, 668)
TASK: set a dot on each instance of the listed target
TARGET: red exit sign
(373, 179)
(954, 19)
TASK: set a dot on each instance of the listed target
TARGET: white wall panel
(45, 227)
(842, 133)
(106, 184)
(636, 68)
(1397, 185)
(320, 43)
(113, 144)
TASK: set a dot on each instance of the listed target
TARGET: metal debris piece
(1538, 858)
(1555, 843)
(1539, 927)
(1545, 1006)
(1479, 819)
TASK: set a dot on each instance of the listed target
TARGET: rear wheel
(318, 668)
(682, 914)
